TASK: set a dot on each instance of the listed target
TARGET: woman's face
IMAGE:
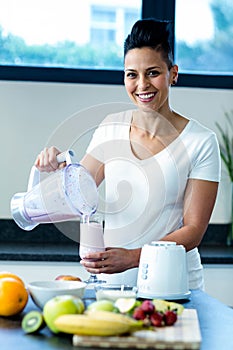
(147, 78)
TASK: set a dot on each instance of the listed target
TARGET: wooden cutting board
(185, 334)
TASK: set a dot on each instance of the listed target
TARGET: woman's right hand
(47, 160)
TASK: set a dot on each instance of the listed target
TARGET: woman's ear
(174, 74)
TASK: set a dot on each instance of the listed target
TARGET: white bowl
(42, 291)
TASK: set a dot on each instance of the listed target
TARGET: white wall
(31, 271)
(34, 115)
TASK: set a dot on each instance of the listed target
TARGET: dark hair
(151, 33)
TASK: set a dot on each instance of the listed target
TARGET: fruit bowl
(114, 291)
(42, 291)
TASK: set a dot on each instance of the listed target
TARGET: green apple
(101, 305)
(125, 305)
(61, 305)
(79, 304)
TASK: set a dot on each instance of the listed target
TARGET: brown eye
(153, 73)
(130, 75)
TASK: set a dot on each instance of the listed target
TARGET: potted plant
(226, 152)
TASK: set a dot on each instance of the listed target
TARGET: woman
(161, 169)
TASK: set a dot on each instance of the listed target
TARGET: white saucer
(167, 297)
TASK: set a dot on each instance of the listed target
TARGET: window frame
(160, 9)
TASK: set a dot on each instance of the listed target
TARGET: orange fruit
(13, 296)
(10, 274)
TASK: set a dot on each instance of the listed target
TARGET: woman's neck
(151, 132)
(153, 123)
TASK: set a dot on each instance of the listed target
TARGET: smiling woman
(160, 169)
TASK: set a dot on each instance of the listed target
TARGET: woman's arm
(95, 168)
(199, 200)
(112, 260)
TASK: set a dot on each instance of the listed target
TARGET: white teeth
(145, 96)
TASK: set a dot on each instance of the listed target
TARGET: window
(202, 36)
(51, 40)
(67, 34)
(103, 26)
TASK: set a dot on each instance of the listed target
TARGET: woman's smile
(146, 97)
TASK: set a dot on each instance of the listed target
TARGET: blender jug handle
(65, 157)
(34, 177)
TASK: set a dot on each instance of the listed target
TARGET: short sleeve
(104, 144)
(207, 164)
(96, 145)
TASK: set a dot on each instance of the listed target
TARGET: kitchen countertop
(215, 319)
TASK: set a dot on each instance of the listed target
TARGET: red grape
(139, 314)
(170, 317)
(157, 319)
(148, 307)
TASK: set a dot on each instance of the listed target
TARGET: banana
(88, 325)
(111, 316)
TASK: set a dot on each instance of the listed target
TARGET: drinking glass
(91, 240)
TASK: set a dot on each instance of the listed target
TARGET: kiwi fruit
(33, 322)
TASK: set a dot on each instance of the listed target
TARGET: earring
(174, 82)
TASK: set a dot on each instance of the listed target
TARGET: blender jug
(61, 196)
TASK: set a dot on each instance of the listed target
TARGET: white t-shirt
(144, 198)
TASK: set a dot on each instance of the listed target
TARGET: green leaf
(226, 143)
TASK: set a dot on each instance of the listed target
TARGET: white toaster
(162, 271)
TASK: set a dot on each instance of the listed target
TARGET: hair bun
(158, 31)
(152, 33)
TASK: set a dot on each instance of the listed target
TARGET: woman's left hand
(112, 260)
